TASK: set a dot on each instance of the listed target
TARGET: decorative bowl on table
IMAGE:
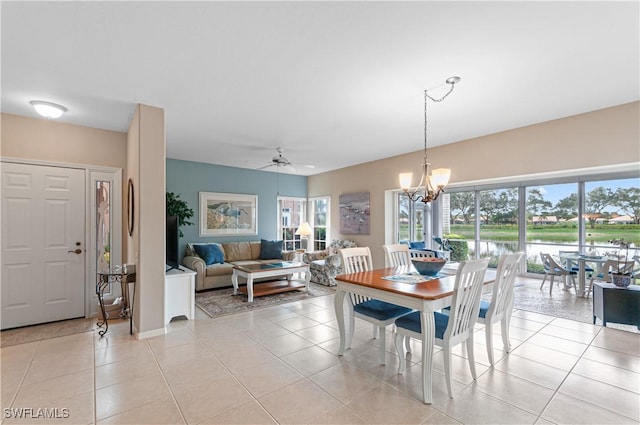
(428, 266)
(621, 280)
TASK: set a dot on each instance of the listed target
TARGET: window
(291, 212)
(319, 222)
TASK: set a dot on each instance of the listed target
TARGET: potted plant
(622, 275)
(178, 207)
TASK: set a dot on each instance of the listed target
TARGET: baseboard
(151, 334)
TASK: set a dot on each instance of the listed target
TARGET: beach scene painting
(354, 213)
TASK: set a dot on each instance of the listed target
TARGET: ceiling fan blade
(266, 166)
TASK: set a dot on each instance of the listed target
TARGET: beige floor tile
(251, 353)
(318, 334)
(310, 361)
(533, 371)
(610, 374)
(45, 393)
(616, 340)
(297, 323)
(266, 331)
(559, 344)
(515, 391)
(77, 409)
(60, 363)
(385, 404)
(206, 400)
(160, 412)
(546, 356)
(581, 336)
(194, 352)
(311, 399)
(286, 344)
(613, 358)
(440, 419)
(322, 316)
(125, 370)
(251, 413)
(535, 317)
(474, 407)
(345, 382)
(123, 351)
(618, 400)
(577, 326)
(340, 416)
(172, 339)
(564, 409)
(181, 376)
(410, 382)
(134, 393)
(266, 377)
(530, 325)
(460, 370)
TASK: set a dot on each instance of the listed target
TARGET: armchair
(325, 265)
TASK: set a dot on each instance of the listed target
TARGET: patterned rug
(220, 302)
(46, 331)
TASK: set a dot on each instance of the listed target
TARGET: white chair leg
(400, 351)
(383, 336)
(471, 355)
(543, 280)
(551, 285)
(375, 331)
(488, 333)
(407, 344)
(504, 325)
(447, 369)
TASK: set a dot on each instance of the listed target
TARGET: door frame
(92, 174)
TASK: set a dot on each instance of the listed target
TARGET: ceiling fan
(281, 161)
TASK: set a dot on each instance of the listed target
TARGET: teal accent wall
(188, 178)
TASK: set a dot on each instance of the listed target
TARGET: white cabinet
(179, 294)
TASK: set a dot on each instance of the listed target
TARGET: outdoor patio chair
(552, 268)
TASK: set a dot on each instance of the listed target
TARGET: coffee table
(256, 271)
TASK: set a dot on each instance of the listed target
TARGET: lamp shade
(440, 177)
(304, 229)
(405, 180)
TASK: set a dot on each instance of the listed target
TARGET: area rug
(46, 331)
(220, 302)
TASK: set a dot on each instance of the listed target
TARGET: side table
(616, 305)
(105, 279)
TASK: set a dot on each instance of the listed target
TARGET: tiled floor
(279, 366)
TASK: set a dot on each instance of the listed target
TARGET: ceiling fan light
(48, 110)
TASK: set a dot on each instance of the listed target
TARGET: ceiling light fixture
(433, 184)
(48, 110)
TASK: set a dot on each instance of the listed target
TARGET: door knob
(77, 251)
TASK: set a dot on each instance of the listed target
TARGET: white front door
(43, 244)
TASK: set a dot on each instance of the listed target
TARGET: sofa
(218, 273)
(326, 264)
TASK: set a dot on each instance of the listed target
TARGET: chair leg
(488, 333)
(383, 336)
(551, 284)
(352, 325)
(543, 280)
(375, 332)
(471, 354)
(504, 325)
(447, 369)
(401, 360)
(407, 344)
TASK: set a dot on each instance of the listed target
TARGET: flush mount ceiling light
(48, 110)
(433, 184)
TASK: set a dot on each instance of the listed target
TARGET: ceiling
(332, 83)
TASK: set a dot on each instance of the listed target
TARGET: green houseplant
(622, 275)
(178, 207)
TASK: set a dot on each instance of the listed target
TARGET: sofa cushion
(211, 253)
(317, 265)
(237, 251)
(219, 269)
(270, 250)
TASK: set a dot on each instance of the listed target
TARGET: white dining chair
(452, 329)
(500, 307)
(379, 313)
(603, 274)
(396, 255)
(552, 268)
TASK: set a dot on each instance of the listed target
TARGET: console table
(615, 304)
(125, 279)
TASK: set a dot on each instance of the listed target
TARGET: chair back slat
(396, 255)
(417, 253)
(355, 260)
(466, 299)
(502, 293)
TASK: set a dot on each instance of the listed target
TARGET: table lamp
(304, 231)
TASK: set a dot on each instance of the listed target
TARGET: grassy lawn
(599, 235)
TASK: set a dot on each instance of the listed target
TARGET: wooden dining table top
(433, 289)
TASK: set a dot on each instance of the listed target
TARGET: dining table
(405, 287)
(582, 261)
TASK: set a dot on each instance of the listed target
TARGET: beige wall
(606, 137)
(45, 140)
(146, 150)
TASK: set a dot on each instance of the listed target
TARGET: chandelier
(433, 184)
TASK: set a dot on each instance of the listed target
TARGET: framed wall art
(354, 213)
(228, 214)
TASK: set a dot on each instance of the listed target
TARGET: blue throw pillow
(210, 253)
(416, 245)
(270, 250)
